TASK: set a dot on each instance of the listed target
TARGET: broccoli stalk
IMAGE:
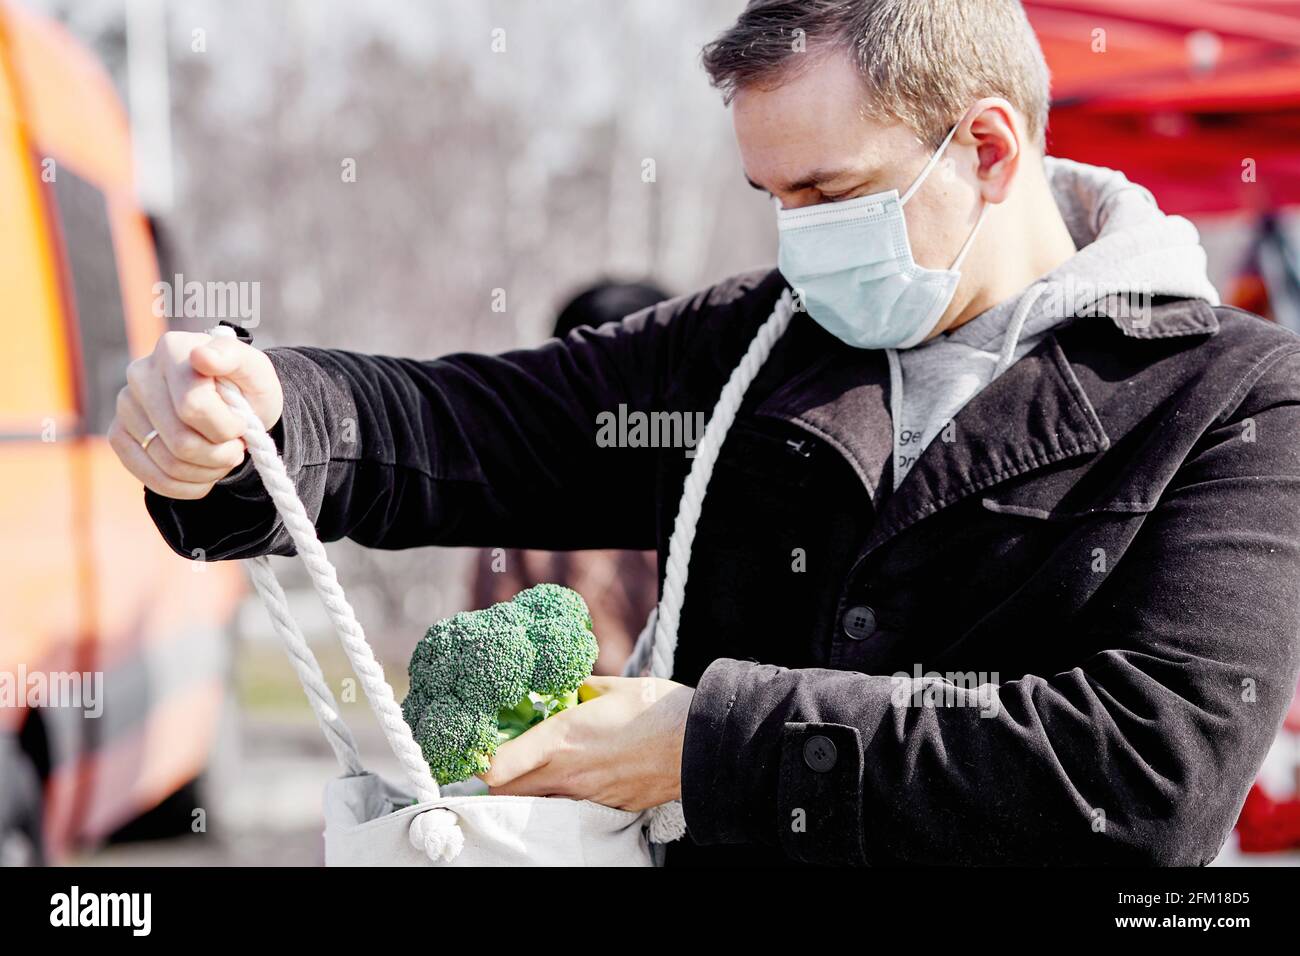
(480, 678)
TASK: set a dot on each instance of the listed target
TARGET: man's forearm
(846, 768)
(463, 450)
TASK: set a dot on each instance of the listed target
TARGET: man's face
(810, 141)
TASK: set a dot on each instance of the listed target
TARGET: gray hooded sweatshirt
(1128, 252)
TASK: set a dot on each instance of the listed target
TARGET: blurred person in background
(619, 586)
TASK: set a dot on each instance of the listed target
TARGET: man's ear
(992, 128)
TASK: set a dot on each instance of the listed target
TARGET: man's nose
(794, 200)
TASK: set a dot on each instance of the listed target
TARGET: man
(999, 560)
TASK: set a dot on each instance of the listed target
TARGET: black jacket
(1111, 539)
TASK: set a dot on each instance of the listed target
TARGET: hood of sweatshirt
(1127, 250)
(1126, 247)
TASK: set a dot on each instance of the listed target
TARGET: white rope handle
(667, 822)
(306, 666)
(439, 836)
(697, 483)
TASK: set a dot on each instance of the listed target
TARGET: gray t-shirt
(936, 379)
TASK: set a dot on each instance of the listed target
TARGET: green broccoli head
(479, 678)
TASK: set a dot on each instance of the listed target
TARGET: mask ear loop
(916, 184)
(929, 167)
(970, 240)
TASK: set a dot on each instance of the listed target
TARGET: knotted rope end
(667, 823)
(435, 833)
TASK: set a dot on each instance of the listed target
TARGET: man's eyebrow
(816, 178)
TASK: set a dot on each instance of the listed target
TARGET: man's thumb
(220, 358)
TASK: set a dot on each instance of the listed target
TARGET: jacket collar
(1034, 415)
(1168, 318)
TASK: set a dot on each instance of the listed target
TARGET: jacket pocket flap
(1070, 494)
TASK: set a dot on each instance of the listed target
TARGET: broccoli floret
(566, 651)
(553, 601)
(456, 742)
(480, 678)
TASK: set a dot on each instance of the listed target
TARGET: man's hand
(173, 393)
(622, 748)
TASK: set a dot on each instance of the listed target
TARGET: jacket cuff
(301, 383)
(757, 770)
(299, 379)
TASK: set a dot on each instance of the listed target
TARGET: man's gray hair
(923, 62)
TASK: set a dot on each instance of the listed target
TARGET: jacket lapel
(1033, 416)
(843, 399)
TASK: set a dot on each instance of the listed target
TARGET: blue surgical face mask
(851, 266)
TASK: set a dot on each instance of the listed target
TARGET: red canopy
(1179, 95)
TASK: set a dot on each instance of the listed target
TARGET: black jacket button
(819, 753)
(859, 622)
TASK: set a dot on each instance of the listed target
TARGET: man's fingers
(247, 368)
(195, 398)
(526, 753)
(137, 426)
(542, 782)
(153, 395)
(198, 437)
(219, 358)
(132, 416)
(173, 467)
(138, 462)
(594, 686)
(514, 759)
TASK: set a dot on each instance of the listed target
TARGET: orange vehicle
(113, 658)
